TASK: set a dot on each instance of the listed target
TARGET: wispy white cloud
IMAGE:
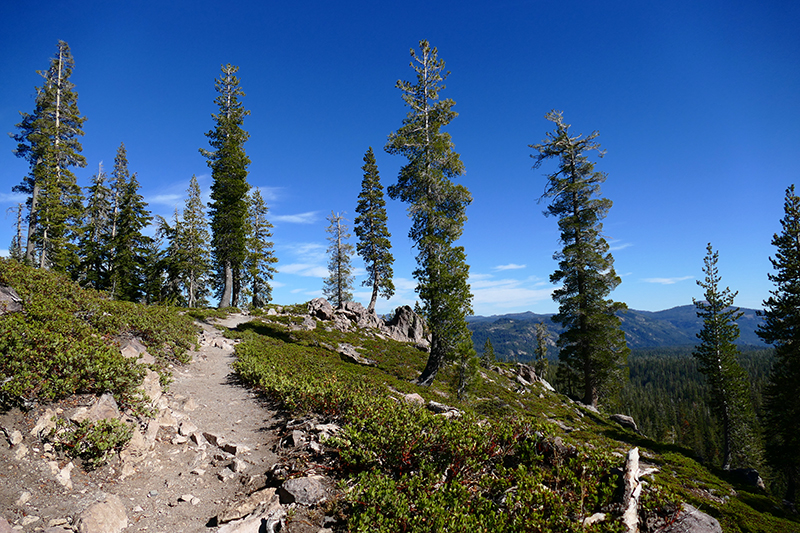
(667, 281)
(4, 253)
(305, 252)
(172, 200)
(614, 246)
(492, 295)
(12, 198)
(300, 218)
(305, 269)
(510, 266)
(270, 194)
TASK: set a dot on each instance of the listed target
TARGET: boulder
(320, 308)
(309, 490)
(690, 520)
(241, 508)
(350, 353)
(151, 385)
(749, 476)
(625, 421)
(527, 373)
(107, 516)
(10, 302)
(406, 326)
(105, 408)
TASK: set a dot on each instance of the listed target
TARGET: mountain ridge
(514, 334)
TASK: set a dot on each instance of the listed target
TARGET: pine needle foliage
(717, 357)
(338, 286)
(437, 207)
(373, 237)
(131, 248)
(592, 343)
(48, 139)
(259, 267)
(96, 234)
(229, 201)
(781, 329)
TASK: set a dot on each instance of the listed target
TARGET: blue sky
(696, 103)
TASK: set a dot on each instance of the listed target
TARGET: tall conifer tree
(436, 205)
(259, 266)
(592, 343)
(94, 244)
(229, 205)
(781, 318)
(48, 141)
(373, 237)
(717, 359)
(195, 239)
(338, 286)
(132, 250)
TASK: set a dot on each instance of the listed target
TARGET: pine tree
(717, 357)
(780, 328)
(338, 287)
(170, 266)
(373, 237)
(592, 343)
(487, 357)
(194, 243)
(131, 249)
(48, 141)
(436, 205)
(15, 250)
(466, 371)
(228, 207)
(96, 233)
(541, 363)
(259, 266)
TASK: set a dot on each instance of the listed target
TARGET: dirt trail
(179, 484)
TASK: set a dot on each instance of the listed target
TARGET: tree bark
(227, 290)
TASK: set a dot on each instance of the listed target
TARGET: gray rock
(104, 408)
(691, 520)
(309, 490)
(320, 308)
(134, 349)
(186, 428)
(749, 476)
(241, 508)
(10, 302)
(406, 326)
(151, 385)
(44, 424)
(15, 437)
(414, 399)
(350, 354)
(625, 421)
(527, 373)
(5, 527)
(107, 516)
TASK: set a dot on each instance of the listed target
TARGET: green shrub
(94, 442)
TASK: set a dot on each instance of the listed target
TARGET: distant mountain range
(515, 334)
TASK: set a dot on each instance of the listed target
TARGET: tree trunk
(227, 290)
(371, 307)
(432, 366)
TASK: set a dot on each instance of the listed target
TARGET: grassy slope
(64, 342)
(498, 468)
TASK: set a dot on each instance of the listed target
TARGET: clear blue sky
(697, 104)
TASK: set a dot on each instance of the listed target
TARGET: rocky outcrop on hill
(404, 325)
(10, 302)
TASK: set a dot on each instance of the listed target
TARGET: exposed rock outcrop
(10, 302)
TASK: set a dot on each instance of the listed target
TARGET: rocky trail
(207, 462)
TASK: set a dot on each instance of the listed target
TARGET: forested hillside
(513, 336)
